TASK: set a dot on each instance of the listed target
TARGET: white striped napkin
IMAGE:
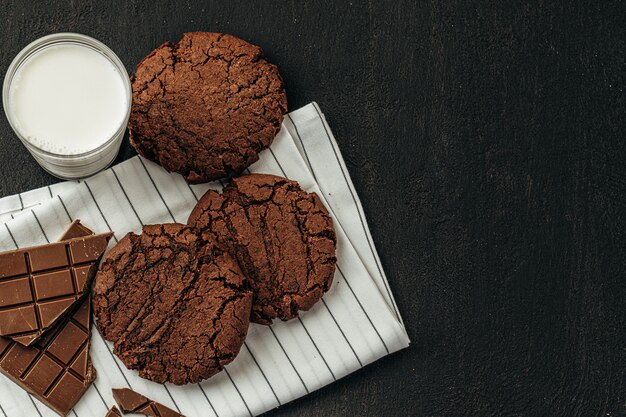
(356, 323)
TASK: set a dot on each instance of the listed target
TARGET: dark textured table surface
(486, 141)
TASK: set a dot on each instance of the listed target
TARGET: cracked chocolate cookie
(176, 311)
(282, 237)
(206, 106)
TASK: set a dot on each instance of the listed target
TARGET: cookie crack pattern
(176, 309)
(206, 106)
(281, 236)
(269, 256)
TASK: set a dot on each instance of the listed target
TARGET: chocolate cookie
(206, 106)
(282, 237)
(175, 310)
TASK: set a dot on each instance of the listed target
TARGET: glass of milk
(67, 97)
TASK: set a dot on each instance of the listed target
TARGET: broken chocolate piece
(130, 401)
(39, 285)
(76, 229)
(114, 412)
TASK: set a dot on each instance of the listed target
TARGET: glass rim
(65, 38)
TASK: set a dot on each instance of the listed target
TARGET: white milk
(68, 99)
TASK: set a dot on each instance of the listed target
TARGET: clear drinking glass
(78, 165)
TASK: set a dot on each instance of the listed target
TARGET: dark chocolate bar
(130, 401)
(38, 285)
(56, 369)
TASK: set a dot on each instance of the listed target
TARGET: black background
(486, 141)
